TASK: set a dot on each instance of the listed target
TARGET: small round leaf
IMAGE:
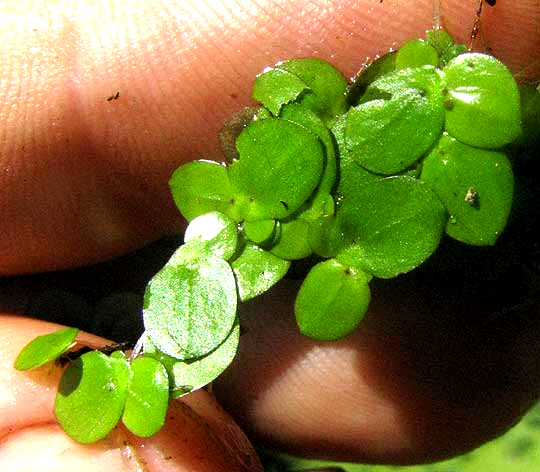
(475, 185)
(199, 187)
(147, 397)
(91, 396)
(392, 226)
(191, 375)
(256, 270)
(280, 166)
(217, 231)
(190, 305)
(482, 101)
(275, 88)
(387, 135)
(327, 85)
(332, 301)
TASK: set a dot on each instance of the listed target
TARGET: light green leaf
(147, 397)
(190, 305)
(387, 136)
(482, 101)
(332, 301)
(275, 88)
(217, 231)
(91, 396)
(416, 53)
(280, 166)
(257, 270)
(293, 240)
(199, 187)
(307, 118)
(475, 185)
(392, 226)
(191, 375)
(45, 348)
(327, 85)
(261, 232)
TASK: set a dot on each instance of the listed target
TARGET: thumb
(198, 435)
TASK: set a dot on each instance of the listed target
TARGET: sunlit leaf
(280, 166)
(275, 88)
(45, 348)
(256, 270)
(190, 305)
(216, 230)
(481, 100)
(91, 396)
(147, 397)
(194, 374)
(199, 187)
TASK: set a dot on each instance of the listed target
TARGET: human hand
(86, 177)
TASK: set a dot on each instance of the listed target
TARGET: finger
(425, 376)
(100, 102)
(198, 435)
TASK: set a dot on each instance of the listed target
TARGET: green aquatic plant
(364, 179)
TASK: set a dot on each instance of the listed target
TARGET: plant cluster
(365, 179)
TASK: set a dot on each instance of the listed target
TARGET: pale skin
(84, 179)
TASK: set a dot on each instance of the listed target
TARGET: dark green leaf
(482, 101)
(191, 375)
(217, 231)
(387, 136)
(280, 166)
(475, 185)
(416, 53)
(392, 226)
(332, 301)
(199, 187)
(257, 270)
(190, 305)
(45, 348)
(91, 396)
(275, 88)
(327, 85)
(147, 398)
